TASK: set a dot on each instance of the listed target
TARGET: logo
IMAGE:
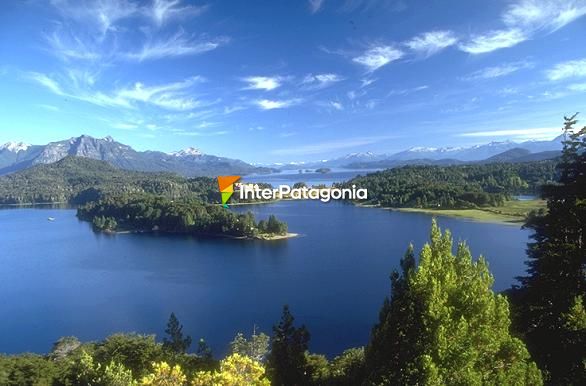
(226, 185)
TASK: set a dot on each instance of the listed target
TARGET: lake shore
(512, 213)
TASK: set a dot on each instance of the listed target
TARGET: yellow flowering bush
(165, 375)
(235, 370)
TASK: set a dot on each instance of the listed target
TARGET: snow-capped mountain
(475, 153)
(15, 147)
(188, 162)
(188, 152)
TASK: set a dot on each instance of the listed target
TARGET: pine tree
(287, 362)
(176, 343)
(443, 325)
(551, 296)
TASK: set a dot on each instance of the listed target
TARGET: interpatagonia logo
(226, 185)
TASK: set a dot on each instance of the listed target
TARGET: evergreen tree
(443, 325)
(176, 342)
(286, 361)
(551, 298)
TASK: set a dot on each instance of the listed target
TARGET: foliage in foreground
(443, 324)
(550, 302)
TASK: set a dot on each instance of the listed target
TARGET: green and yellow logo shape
(226, 185)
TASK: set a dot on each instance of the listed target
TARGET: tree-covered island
(149, 212)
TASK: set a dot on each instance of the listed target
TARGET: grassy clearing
(513, 212)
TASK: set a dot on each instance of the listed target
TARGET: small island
(323, 170)
(141, 213)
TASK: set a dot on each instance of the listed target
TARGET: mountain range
(507, 151)
(190, 162)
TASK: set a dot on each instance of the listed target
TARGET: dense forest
(77, 180)
(148, 212)
(455, 187)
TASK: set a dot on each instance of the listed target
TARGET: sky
(290, 80)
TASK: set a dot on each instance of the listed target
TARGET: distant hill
(189, 162)
(509, 155)
(77, 180)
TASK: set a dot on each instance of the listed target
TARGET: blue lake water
(59, 278)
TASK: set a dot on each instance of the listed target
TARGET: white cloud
(499, 71)
(164, 10)
(525, 18)
(493, 40)
(48, 107)
(267, 104)
(580, 87)
(102, 15)
(327, 146)
(315, 5)
(544, 14)
(320, 81)
(171, 96)
(46, 82)
(378, 56)
(535, 133)
(569, 69)
(431, 43)
(266, 83)
(337, 105)
(176, 45)
(406, 91)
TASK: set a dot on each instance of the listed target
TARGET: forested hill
(461, 186)
(77, 180)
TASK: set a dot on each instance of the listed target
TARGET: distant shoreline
(486, 215)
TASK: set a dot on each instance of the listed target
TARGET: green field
(513, 212)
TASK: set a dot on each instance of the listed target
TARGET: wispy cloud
(177, 45)
(378, 56)
(499, 71)
(102, 15)
(431, 43)
(406, 91)
(48, 107)
(579, 87)
(328, 146)
(550, 15)
(266, 83)
(315, 5)
(46, 82)
(171, 96)
(569, 69)
(75, 38)
(530, 133)
(523, 19)
(320, 81)
(493, 40)
(165, 10)
(267, 104)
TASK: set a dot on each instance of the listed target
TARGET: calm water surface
(59, 278)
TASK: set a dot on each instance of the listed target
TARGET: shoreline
(263, 237)
(479, 215)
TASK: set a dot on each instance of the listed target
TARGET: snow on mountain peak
(15, 147)
(190, 151)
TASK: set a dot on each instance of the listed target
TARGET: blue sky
(281, 80)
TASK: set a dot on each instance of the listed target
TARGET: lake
(59, 278)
